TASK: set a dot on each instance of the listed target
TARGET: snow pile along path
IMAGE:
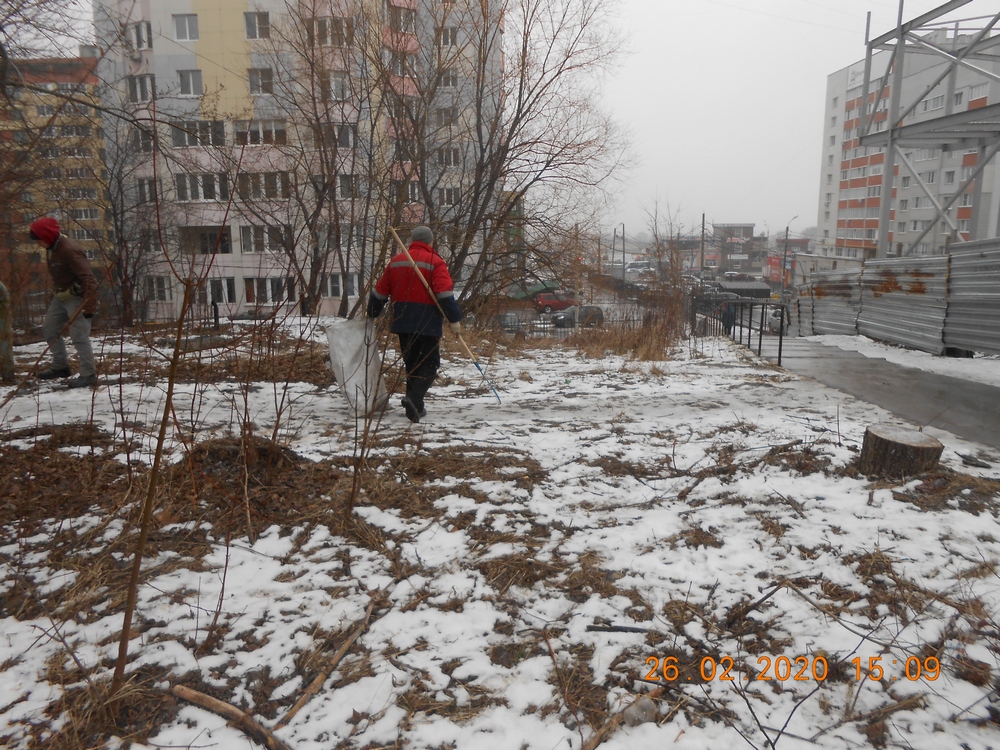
(520, 573)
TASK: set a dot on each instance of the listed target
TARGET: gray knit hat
(422, 234)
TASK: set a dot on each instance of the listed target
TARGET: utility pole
(701, 259)
(784, 261)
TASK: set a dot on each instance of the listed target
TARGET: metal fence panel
(904, 301)
(973, 320)
(836, 302)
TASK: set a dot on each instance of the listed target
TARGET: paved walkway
(968, 409)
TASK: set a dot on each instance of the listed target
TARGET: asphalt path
(965, 408)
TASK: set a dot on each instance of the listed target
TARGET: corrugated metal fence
(927, 303)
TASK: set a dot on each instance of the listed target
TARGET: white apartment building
(927, 174)
(268, 146)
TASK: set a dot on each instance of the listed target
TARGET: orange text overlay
(790, 668)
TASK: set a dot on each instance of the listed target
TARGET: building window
(959, 96)
(447, 36)
(930, 177)
(73, 194)
(190, 82)
(201, 187)
(198, 133)
(257, 239)
(206, 240)
(448, 157)
(331, 31)
(446, 116)
(833, 140)
(978, 91)
(333, 86)
(401, 64)
(401, 19)
(159, 288)
(261, 80)
(142, 140)
(258, 25)
(263, 185)
(141, 35)
(901, 227)
(258, 132)
(835, 100)
(347, 186)
(448, 196)
(336, 135)
(905, 181)
(949, 177)
(448, 79)
(904, 204)
(85, 214)
(833, 121)
(186, 27)
(75, 131)
(147, 190)
(223, 290)
(963, 225)
(141, 88)
(965, 200)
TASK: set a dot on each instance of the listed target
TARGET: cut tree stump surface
(898, 452)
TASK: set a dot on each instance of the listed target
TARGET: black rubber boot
(53, 373)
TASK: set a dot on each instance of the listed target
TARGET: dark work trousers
(422, 358)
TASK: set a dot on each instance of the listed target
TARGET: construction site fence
(939, 304)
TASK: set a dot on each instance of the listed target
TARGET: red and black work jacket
(413, 309)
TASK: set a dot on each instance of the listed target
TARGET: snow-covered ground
(981, 368)
(607, 515)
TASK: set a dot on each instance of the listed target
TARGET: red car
(550, 301)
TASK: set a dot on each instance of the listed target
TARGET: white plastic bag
(356, 364)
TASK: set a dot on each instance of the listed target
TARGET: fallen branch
(240, 719)
(324, 674)
(616, 721)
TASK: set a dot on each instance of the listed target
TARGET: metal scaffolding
(978, 128)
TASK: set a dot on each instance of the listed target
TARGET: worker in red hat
(74, 300)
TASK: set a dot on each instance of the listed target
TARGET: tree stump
(898, 452)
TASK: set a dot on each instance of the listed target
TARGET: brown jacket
(68, 264)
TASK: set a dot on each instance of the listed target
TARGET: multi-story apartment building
(50, 138)
(929, 171)
(268, 146)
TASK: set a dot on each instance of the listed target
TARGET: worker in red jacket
(416, 316)
(74, 297)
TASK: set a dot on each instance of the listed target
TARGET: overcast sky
(725, 101)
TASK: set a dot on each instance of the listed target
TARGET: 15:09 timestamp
(914, 668)
(782, 668)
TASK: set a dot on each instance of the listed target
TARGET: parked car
(509, 322)
(549, 301)
(590, 316)
(774, 316)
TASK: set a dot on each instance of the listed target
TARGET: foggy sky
(725, 103)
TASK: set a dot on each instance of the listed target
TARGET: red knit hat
(45, 230)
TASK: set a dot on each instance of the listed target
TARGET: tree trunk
(6, 336)
(898, 452)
